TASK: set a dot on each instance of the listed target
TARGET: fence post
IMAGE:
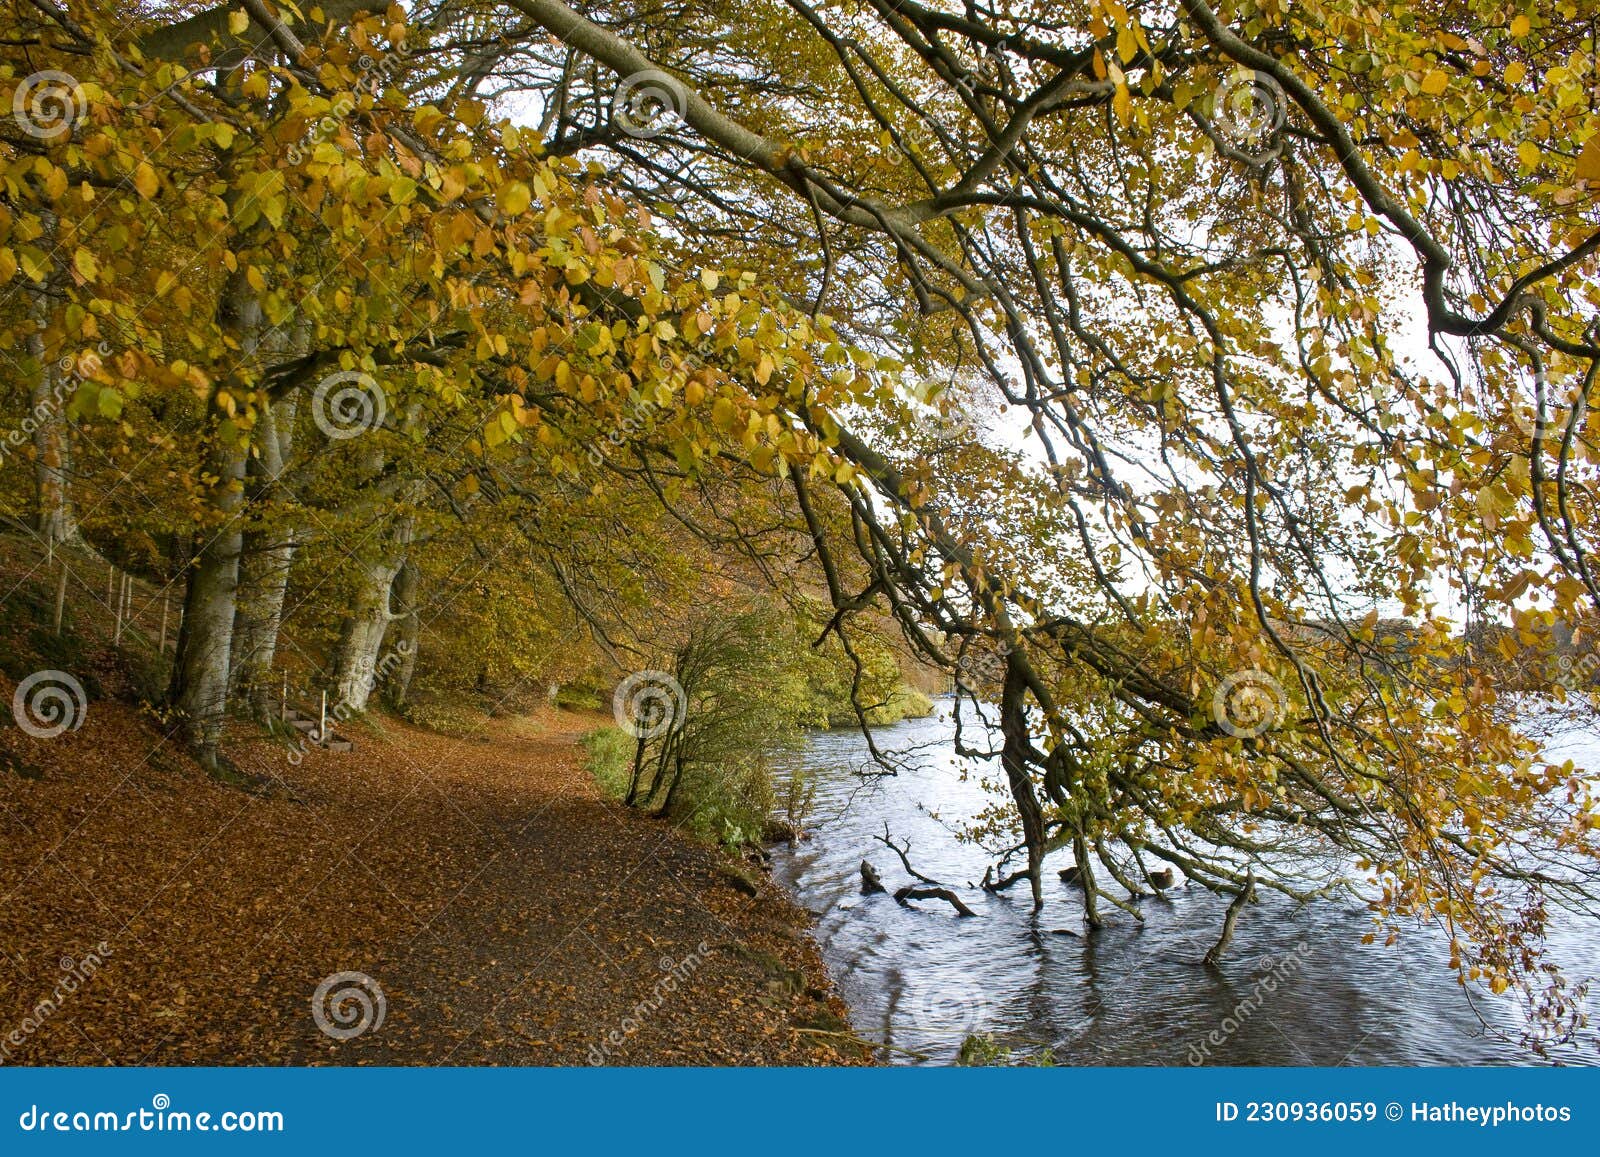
(61, 595)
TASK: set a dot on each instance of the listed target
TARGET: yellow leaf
(1436, 82)
(8, 265)
(146, 181)
(1515, 71)
(1127, 46)
(1122, 104)
(1588, 161)
(239, 22)
(515, 199)
(1530, 155)
(1519, 26)
(83, 261)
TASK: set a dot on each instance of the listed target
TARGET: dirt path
(509, 914)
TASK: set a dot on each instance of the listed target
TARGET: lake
(1296, 988)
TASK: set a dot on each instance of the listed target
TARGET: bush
(743, 698)
(610, 759)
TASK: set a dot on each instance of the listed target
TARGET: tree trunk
(356, 664)
(201, 672)
(407, 587)
(263, 585)
(1014, 758)
(54, 519)
(267, 558)
(205, 641)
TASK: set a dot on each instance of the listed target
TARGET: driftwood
(912, 892)
(870, 880)
(905, 857)
(1071, 875)
(1246, 894)
(990, 884)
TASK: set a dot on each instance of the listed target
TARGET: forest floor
(509, 913)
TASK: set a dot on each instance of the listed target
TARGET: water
(1296, 988)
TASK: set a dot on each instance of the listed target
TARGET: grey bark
(267, 558)
(54, 518)
(201, 672)
(407, 594)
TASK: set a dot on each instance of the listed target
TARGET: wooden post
(61, 595)
(111, 582)
(322, 728)
(121, 597)
(166, 609)
(283, 702)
